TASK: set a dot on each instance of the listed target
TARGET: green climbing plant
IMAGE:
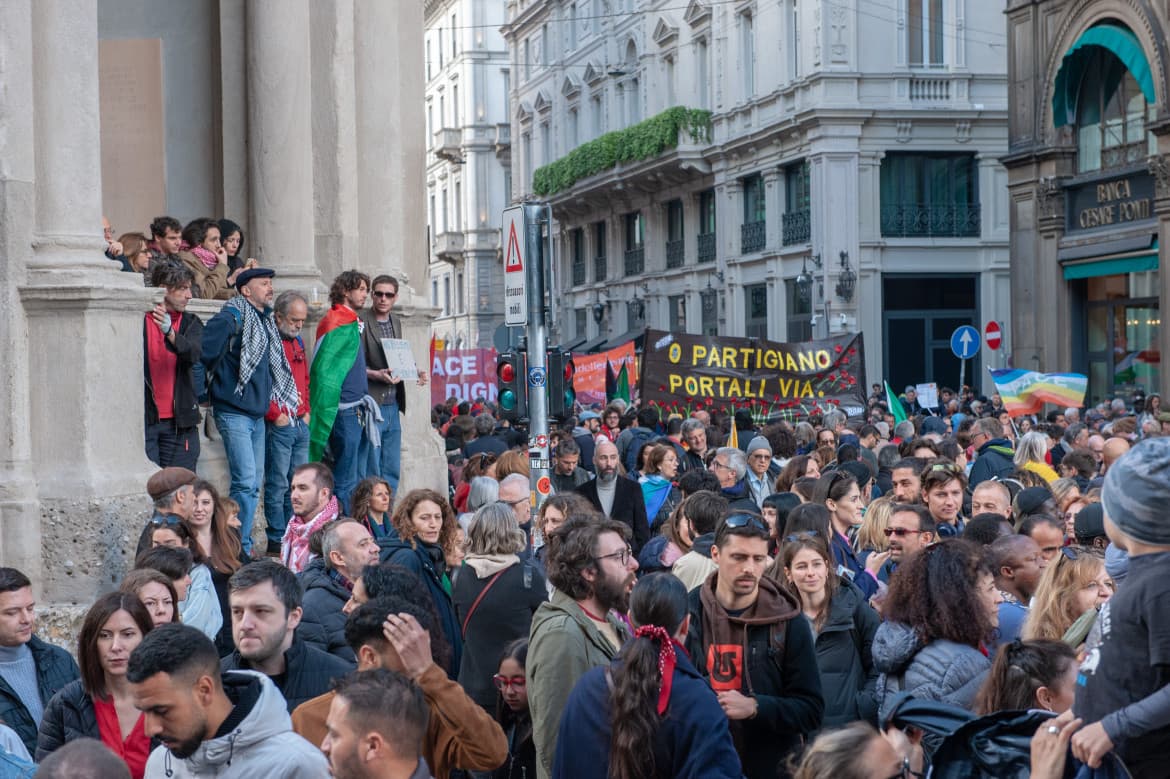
(641, 141)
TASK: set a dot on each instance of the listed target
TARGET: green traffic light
(507, 400)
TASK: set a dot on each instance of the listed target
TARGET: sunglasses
(745, 520)
(502, 682)
(900, 532)
(169, 520)
(390, 295)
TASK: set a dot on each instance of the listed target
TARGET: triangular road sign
(513, 262)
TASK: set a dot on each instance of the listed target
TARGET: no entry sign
(992, 335)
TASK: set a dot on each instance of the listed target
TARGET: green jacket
(563, 645)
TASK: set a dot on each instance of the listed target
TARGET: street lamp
(847, 280)
(804, 280)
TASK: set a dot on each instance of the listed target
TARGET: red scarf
(667, 659)
(206, 256)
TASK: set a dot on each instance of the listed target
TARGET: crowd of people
(698, 598)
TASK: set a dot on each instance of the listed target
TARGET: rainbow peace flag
(1026, 392)
(338, 341)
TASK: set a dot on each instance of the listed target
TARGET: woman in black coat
(99, 705)
(495, 596)
(844, 625)
(424, 528)
(512, 713)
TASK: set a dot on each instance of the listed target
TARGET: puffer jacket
(322, 621)
(261, 745)
(995, 458)
(55, 669)
(68, 716)
(845, 659)
(940, 671)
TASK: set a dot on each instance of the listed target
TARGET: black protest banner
(790, 380)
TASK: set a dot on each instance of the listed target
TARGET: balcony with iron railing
(706, 247)
(578, 271)
(675, 253)
(753, 236)
(600, 265)
(635, 261)
(929, 220)
(796, 227)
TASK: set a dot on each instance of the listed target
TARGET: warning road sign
(515, 286)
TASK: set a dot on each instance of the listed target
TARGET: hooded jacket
(940, 671)
(563, 645)
(766, 652)
(322, 621)
(995, 459)
(845, 658)
(259, 746)
(308, 672)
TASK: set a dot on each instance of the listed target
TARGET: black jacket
(308, 672)
(188, 347)
(785, 681)
(503, 615)
(739, 498)
(69, 715)
(628, 507)
(417, 559)
(376, 359)
(846, 662)
(995, 458)
(322, 621)
(488, 444)
(55, 669)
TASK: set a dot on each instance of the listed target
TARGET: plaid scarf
(339, 579)
(261, 336)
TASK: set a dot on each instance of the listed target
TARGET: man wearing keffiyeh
(246, 371)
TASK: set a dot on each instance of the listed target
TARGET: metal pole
(962, 374)
(536, 215)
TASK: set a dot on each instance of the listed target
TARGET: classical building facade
(297, 119)
(1089, 174)
(837, 169)
(468, 166)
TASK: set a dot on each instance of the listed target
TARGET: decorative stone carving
(1050, 198)
(839, 26)
(962, 131)
(904, 128)
(1160, 168)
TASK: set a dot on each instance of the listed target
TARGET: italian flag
(338, 341)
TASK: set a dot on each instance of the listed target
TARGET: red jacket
(294, 352)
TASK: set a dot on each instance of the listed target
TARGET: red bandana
(666, 660)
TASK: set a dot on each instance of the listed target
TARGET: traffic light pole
(536, 216)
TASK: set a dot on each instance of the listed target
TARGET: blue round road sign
(536, 376)
(965, 342)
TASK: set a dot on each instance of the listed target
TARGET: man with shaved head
(616, 496)
(1017, 564)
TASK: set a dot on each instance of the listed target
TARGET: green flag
(622, 390)
(895, 405)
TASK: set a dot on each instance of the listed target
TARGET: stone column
(391, 152)
(84, 336)
(280, 140)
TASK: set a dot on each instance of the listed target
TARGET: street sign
(515, 283)
(965, 342)
(992, 335)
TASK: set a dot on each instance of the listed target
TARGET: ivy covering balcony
(641, 141)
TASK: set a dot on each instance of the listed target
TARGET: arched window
(1111, 115)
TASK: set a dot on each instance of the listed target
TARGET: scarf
(294, 547)
(488, 564)
(206, 256)
(667, 659)
(655, 490)
(340, 580)
(257, 329)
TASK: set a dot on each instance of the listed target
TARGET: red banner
(465, 374)
(589, 381)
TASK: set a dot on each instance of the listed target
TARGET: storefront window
(1123, 322)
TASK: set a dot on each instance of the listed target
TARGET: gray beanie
(759, 442)
(1137, 490)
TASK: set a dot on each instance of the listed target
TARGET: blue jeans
(243, 442)
(284, 449)
(345, 443)
(386, 460)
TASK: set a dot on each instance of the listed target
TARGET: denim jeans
(385, 460)
(243, 442)
(345, 444)
(284, 449)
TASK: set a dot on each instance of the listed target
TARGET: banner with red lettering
(465, 374)
(589, 380)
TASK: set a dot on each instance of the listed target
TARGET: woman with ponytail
(1040, 674)
(649, 714)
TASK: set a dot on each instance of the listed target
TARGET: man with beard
(749, 638)
(266, 609)
(208, 724)
(314, 506)
(1016, 563)
(376, 721)
(911, 529)
(172, 341)
(616, 496)
(567, 475)
(286, 440)
(906, 478)
(592, 567)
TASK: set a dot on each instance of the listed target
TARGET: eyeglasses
(390, 295)
(800, 536)
(516, 502)
(745, 520)
(724, 466)
(1071, 552)
(502, 682)
(900, 532)
(622, 555)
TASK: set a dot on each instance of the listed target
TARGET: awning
(1112, 37)
(637, 335)
(573, 346)
(1112, 267)
(589, 347)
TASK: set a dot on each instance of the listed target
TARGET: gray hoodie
(940, 671)
(262, 745)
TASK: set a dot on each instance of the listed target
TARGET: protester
(376, 723)
(748, 637)
(100, 704)
(1046, 530)
(231, 237)
(172, 342)
(156, 591)
(1039, 674)
(616, 496)
(994, 454)
(424, 526)
(730, 465)
(906, 478)
(223, 550)
(837, 490)
(171, 491)
(512, 713)
(991, 497)
(592, 567)
(166, 235)
(871, 535)
(172, 562)
(1072, 589)
(494, 598)
(85, 758)
(207, 260)
(702, 512)
(943, 486)
(567, 474)
(762, 472)
(659, 493)
(314, 506)
(1017, 564)
(799, 467)
(649, 713)
(346, 549)
(210, 723)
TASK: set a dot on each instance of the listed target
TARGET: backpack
(203, 381)
(638, 436)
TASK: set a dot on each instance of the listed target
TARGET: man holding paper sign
(385, 369)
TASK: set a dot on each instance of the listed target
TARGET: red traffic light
(507, 373)
(570, 369)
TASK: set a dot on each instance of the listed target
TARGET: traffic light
(561, 395)
(511, 369)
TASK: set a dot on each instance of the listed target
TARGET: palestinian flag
(338, 341)
(896, 408)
